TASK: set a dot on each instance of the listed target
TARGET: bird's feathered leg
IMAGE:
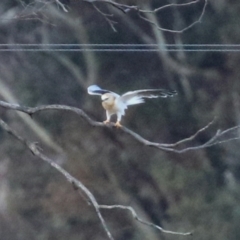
(108, 118)
(118, 124)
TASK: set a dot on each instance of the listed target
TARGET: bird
(116, 104)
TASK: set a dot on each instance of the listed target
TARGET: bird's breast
(114, 107)
(108, 106)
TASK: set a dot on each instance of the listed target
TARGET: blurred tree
(196, 190)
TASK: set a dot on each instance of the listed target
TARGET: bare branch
(169, 5)
(219, 137)
(33, 147)
(171, 63)
(191, 137)
(123, 7)
(61, 5)
(107, 17)
(34, 11)
(31, 11)
(43, 135)
(126, 8)
(170, 30)
(135, 216)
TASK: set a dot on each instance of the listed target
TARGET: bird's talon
(106, 122)
(118, 125)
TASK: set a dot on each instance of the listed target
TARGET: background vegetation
(197, 190)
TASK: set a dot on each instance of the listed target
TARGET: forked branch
(135, 216)
(125, 8)
(34, 148)
(35, 11)
(140, 14)
(227, 135)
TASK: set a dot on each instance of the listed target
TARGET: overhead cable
(66, 47)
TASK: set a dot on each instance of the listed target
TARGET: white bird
(116, 104)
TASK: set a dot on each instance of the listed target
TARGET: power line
(65, 47)
(118, 44)
(116, 50)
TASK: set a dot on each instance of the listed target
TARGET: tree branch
(35, 11)
(107, 17)
(135, 216)
(218, 138)
(34, 148)
(126, 8)
(28, 11)
(61, 5)
(171, 5)
(8, 95)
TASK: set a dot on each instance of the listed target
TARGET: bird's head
(108, 98)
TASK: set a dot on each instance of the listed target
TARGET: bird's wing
(96, 90)
(136, 97)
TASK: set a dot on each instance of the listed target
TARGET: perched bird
(116, 104)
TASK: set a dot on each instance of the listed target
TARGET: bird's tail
(135, 100)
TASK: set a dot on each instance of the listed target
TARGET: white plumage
(116, 104)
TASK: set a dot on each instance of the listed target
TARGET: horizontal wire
(116, 45)
(114, 50)
(66, 47)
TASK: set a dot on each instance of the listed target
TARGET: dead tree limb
(125, 8)
(135, 216)
(34, 148)
(178, 147)
(140, 14)
(36, 11)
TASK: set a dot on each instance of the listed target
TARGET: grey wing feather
(136, 97)
(96, 90)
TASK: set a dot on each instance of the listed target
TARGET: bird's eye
(105, 99)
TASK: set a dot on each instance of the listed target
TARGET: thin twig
(191, 137)
(62, 6)
(135, 216)
(33, 11)
(123, 7)
(169, 5)
(107, 17)
(170, 30)
(126, 8)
